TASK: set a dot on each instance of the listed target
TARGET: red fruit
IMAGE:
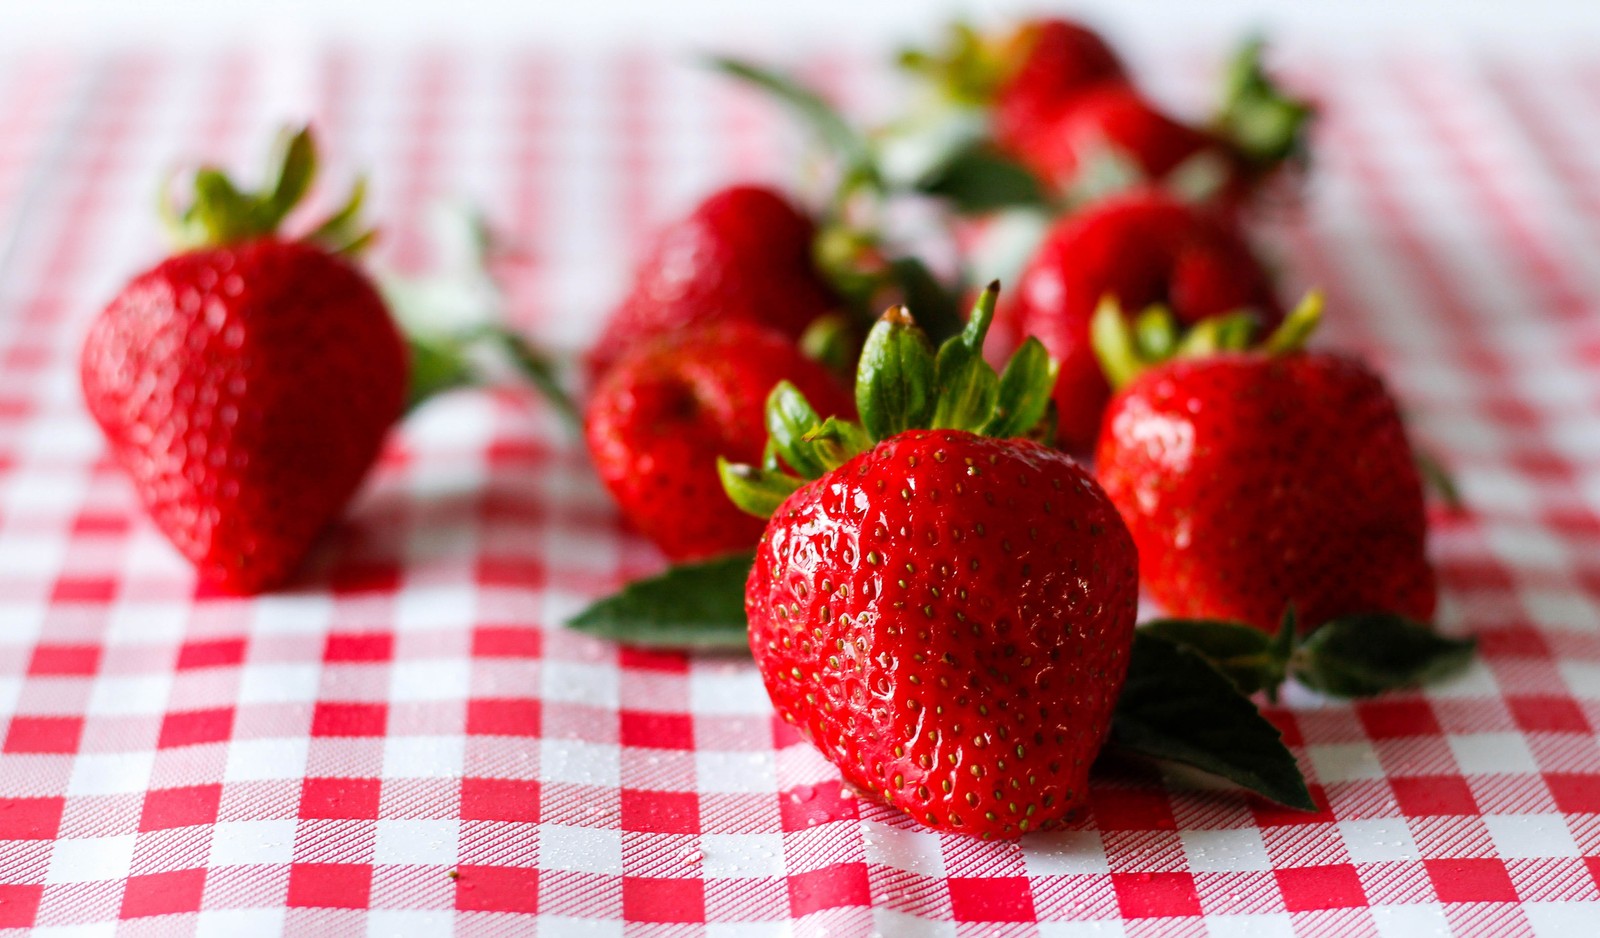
(744, 254)
(246, 388)
(948, 618)
(1250, 481)
(665, 411)
(1060, 60)
(1140, 249)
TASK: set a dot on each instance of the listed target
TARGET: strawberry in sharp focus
(1147, 251)
(666, 410)
(1259, 478)
(945, 610)
(745, 253)
(246, 383)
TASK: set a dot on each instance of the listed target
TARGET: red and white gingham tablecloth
(405, 741)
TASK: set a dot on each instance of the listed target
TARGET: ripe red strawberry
(1256, 479)
(745, 253)
(246, 383)
(1143, 249)
(1056, 60)
(666, 410)
(946, 615)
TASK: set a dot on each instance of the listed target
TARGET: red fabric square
(1465, 880)
(1132, 809)
(499, 799)
(363, 646)
(1548, 715)
(1427, 795)
(663, 900)
(806, 806)
(503, 717)
(661, 812)
(506, 642)
(1155, 895)
(1309, 888)
(180, 807)
(349, 719)
(90, 523)
(832, 887)
(657, 730)
(1388, 719)
(1575, 793)
(330, 885)
(217, 653)
(84, 590)
(163, 893)
(676, 662)
(30, 818)
(19, 904)
(340, 798)
(997, 899)
(64, 659)
(509, 571)
(44, 734)
(497, 889)
(193, 727)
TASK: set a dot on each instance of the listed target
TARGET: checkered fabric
(405, 740)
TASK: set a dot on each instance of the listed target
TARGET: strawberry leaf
(1363, 655)
(938, 309)
(1247, 655)
(977, 180)
(1024, 397)
(858, 163)
(895, 378)
(1176, 706)
(696, 606)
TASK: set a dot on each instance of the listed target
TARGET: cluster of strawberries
(936, 592)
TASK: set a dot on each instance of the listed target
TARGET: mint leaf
(1363, 655)
(698, 606)
(1176, 706)
(977, 180)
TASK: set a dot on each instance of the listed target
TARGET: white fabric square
(113, 773)
(1268, 925)
(1225, 850)
(1409, 921)
(279, 683)
(1582, 677)
(239, 923)
(410, 922)
(889, 923)
(1562, 919)
(1567, 609)
(736, 771)
(262, 759)
(447, 679)
(586, 849)
(1476, 680)
(568, 927)
(425, 842)
(292, 615)
(425, 608)
(595, 685)
(724, 689)
(82, 860)
(1344, 762)
(424, 756)
(1492, 753)
(741, 854)
(915, 850)
(1531, 835)
(1064, 853)
(244, 843)
(573, 760)
(145, 622)
(1377, 840)
(131, 695)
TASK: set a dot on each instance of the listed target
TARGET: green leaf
(967, 385)
(833, 342)
(697, 606)
(1025, 388)
(437, 365)
(1363, 655)
(837, 440)
(1436, 476)
(756, 491)
(1242, 652)
(1260, 119)
(938, 308)
(295, 166)
(789, 419)
(895, 378)
(853, 149)
(977, 180)
(1176, 706)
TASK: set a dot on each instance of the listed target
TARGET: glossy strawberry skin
(246, 392)
(1251, 481)
(948, 618)
(664, 413)
(1141, 248)
(1060, 61)
(745, 254)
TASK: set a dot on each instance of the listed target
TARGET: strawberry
(667, 409)
(1147, 251)
(1056, 60)
(246, 383)
(947, 612)
(1258, 478)
(745, 253)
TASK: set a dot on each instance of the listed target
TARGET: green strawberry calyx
(1128, 346)
(902, 383)
(1265, 124)
(221, 213)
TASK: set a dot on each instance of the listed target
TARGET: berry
(1059, 60)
